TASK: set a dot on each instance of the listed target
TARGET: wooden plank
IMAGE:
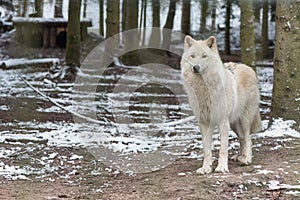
(26, 26)
(15, 63)
(46, 37)
(52, 37)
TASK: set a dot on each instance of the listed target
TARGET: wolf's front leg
(223, 154)
(206, 132)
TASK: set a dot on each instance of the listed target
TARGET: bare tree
(112, 27)
(286, 90)
(213, 15)
(58, 8)
(273, 10)
(124, 14)
(227, 27)
(264, 31)
(130, 9)
(112, 19)
(73, 35)
(248, 50)
(24, 13)
(204, 5)
(155, 35)
(257, 8)
(143, 20)
(38, 5)
(186, 17)
(167, 34)
(84, 8)
(101, 17)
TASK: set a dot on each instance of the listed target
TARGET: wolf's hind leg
(243, 132)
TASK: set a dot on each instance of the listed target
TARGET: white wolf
(223, 96)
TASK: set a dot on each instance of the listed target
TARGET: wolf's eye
(192, 56)
(204, 56)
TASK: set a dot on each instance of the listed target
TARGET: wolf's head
(200, 55)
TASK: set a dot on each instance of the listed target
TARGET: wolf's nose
(196, 68)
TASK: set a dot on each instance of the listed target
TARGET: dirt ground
(176, 181)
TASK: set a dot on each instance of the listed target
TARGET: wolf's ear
(188, 42)
(212, 43)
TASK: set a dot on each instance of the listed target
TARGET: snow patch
(264, 171)
(280, 128)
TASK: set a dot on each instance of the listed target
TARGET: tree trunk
(141, 13)
(131, 22)
(257, 7)
(144, 21)
(213, 15)
(155, 35)
(84, 8)
(286, 90)
(167, 32)
(186, 17)
(24, 13)
(131, 14)
(112, 18)
(204, 5)
(38, 5)
(58, 8)
(73, 35)
(112, 28)
(101, 18)
(264, 32)
(227, 27)
(273, 10)
(124, 10)
(247, 33)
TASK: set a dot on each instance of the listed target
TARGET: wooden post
(46, 37)
(52, 36)
(27, 35)
(19, 33)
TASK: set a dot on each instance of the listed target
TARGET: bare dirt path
(271, 163)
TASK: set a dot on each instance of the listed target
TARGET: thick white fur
(221, 96)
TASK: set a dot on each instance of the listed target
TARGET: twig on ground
(62, 107)
(88, 119)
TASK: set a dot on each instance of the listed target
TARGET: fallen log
(22, 62)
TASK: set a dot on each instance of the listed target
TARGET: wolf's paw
(222, 169)
(235, 157)
(203, 170)
(243, 159)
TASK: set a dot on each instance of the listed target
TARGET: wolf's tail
(256, 123)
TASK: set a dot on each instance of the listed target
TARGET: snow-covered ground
(120, 145)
